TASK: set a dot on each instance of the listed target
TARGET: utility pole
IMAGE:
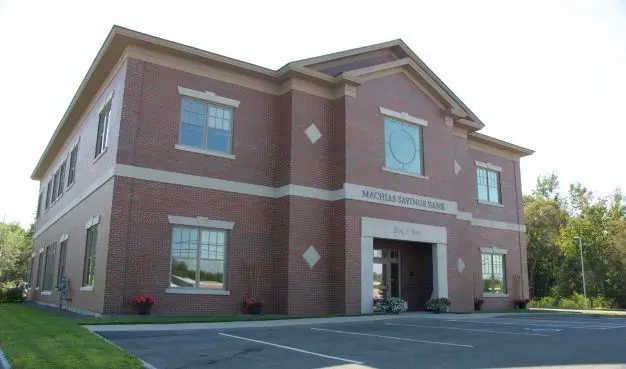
(582, 264)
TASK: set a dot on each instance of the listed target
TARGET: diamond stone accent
(311, 256)
(460, 265)
(313, 133)
(457, 167)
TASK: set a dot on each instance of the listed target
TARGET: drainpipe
(518, 187)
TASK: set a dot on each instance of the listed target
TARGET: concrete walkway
(279, 323)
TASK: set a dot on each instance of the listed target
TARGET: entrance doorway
(386, 276)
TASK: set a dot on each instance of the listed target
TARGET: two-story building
(316, 188)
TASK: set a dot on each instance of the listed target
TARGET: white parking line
(391, 338)
(467, 329)
(521, 323)
(292, 349)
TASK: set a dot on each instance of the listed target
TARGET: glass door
(386, 274)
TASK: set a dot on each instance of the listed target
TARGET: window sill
(197, 291)
(404, 173)
(46, 293)
(204, 152)
(69, 186)
(86, 288)
(487, 294)
(490, 203)
(101, 154)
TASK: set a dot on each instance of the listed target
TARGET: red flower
(143, 300)
(250, 301)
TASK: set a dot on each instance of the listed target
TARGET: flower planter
(255, 309)
(144, 309)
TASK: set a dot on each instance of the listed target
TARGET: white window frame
(409, 120)
(69, 166)
(200, 224)
(209, 99)
(492, 250)
(488, 167)
(48, 275)
(104, 141)
(93, 222)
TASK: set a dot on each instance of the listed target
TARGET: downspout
(518, 192)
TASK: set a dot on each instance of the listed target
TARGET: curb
(4, 363)
(145, 363)
(267, 323)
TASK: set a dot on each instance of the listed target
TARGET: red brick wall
(153, 120)
(144, 230)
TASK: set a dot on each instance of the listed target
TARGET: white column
(367, 274)
(440, 270)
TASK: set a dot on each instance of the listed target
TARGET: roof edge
(492, 141)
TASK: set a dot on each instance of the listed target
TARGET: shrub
(576, 301)
(393, 305)
(438, 305)
(9, 292)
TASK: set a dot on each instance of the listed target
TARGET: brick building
(204, 180)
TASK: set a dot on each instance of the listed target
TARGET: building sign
(410, 201)
(405, 232)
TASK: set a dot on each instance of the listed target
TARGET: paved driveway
(453, 341)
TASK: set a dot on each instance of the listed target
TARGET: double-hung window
(89, 267)
(48, 274)
(403, 147)
(488, 182)
(103, 129)
(39, 200)
(62, 256)
(494, 272)
(198, 258)
(49, 194)
(206, 126)
(60, 185)
(71, 175)
(39, 270)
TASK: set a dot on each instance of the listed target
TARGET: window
(403, 147)
(39, 269)
(30, 272)
(61, 183)
(39, 200)
(494, 273)
(48, 194)
(198, 258)
(103, 130)
(48, 274)
(488, 185)
(206, 126)
(62, 253)
(71, 175)
(89, 268)
(55, 186)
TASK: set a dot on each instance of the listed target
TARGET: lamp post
(582, 264)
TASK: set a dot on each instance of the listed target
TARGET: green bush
(9, 292)
(576, 301)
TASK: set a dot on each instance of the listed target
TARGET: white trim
(64, 237)
(203, 222)
(488, 166)
(208, 96)
(92, 221)
(492, 295)
(33, 255)
(86, 288)
(204, 152)
(108, 99)
(440, 270)
(41, 250)
(405, 173)
(46, 293)
(349, 191)
(101, 154)
(197, 291)
(403, 231)
(493, 250)
(402, 116)
(496, 204)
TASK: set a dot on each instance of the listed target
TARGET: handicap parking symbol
(545, 330)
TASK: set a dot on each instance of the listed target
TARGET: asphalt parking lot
(452, 341)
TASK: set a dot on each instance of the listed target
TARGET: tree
(14, 248)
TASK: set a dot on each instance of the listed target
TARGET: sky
(546, 75)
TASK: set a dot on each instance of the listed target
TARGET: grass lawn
(35, 339)
(172, 319)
